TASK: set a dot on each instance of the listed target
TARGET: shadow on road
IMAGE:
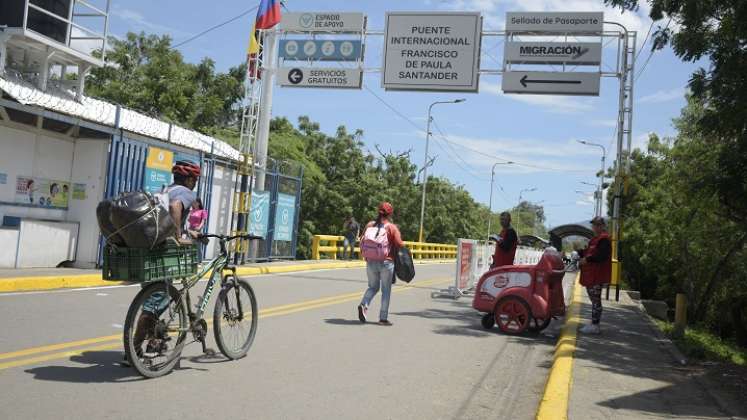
(101, 367)
(341, 321)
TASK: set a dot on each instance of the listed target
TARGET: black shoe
(385, 322)
(362, 313)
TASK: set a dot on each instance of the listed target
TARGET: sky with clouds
(540, 132)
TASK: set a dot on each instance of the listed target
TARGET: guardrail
(328, 246)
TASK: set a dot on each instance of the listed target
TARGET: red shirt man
(505, 248)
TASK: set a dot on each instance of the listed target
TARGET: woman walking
(379, 243)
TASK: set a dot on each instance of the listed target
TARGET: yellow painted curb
(26, 284)
(554, 404)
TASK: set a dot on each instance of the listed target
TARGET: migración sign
(555, 22)
(323, 22)
(312, 77)
(551, 83)
(437, 51)
(584, 53)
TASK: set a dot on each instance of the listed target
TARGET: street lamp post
(490, 205)
(518, 218)
(598, 202)
(425, 160)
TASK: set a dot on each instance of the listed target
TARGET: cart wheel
(536, 325)
(488, 321)
(512, 315)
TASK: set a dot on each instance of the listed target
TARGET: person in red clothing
(380, 271)
(505, 247)
(596, 271)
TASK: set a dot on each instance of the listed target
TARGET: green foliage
(678, 237)
(700, 344)
(145, 74)
(714, 30)
(341, 179)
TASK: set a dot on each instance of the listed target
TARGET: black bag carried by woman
(404, 268)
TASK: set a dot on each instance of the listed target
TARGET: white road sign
(323, 22)
(341, 78)
(437, 51)
(551, 83)
(586, 53)
(563, 22)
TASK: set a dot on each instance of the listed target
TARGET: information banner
(464, 263)
(551, 83)
(40, 192)
(79, 192)
(320, 50)
(323, 22)
(555, 22)
(285, 214)
(158, 169)
(336, 78)
(259, 213)
(432, 51)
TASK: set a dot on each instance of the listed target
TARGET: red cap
(386, 209)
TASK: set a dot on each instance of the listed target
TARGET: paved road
(59, 355)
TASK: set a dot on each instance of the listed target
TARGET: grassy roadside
(701, 345)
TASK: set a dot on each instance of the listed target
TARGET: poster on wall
(40, 192)
(259, 213)
(158, 169)
(285, 217)
(79, 191)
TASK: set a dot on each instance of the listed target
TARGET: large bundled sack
(103, 215)
(404, 268)
(140, 220)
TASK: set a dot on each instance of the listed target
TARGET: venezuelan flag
(268, 14)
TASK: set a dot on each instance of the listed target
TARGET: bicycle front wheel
(155, 329)
(235, 318)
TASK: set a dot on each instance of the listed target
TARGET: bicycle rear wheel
(235, 318)
(155, 330)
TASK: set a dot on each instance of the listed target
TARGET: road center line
(116, 339)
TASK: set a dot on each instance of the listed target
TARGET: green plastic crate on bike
(146, 265)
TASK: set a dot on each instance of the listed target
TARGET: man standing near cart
(505, 247)
(596, 271)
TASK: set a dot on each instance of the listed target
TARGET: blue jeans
(348, 243)
(380, 274)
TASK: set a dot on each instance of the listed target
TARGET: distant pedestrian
(505, 247)
(596, 271)
(196, 219)
(379, 243)
(351, 231)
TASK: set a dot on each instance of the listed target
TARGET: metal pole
(490, 205)
(425, 161)
(265, 112)
(425, 171)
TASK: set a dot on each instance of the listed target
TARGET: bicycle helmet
(186, 168)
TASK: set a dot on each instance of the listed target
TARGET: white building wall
(89, 168)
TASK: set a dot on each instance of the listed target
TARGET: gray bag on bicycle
(140, 221)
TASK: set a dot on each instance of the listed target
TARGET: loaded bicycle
(161, 317)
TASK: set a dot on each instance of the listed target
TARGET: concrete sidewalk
(631, 372)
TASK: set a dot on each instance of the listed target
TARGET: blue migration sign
(321, 50)
(259, 213)
(285, 214)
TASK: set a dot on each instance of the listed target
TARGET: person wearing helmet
(379, 243)
(180, 196)
(180, 193)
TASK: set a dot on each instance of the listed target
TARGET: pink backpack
(375, 243)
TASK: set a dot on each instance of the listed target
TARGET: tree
(143, 72)
(715, 30)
